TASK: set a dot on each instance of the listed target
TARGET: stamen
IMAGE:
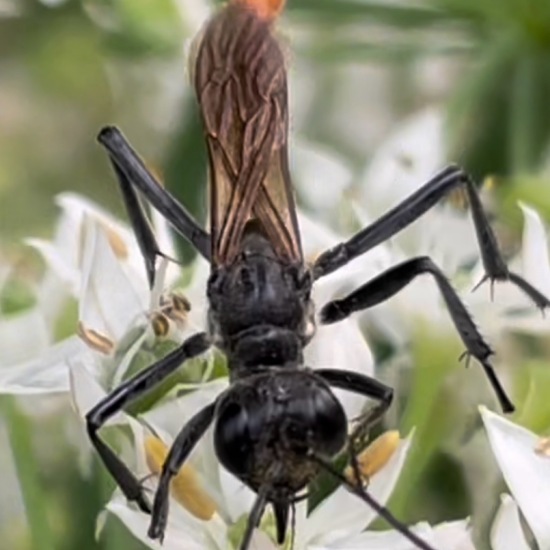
(372, 459)
(116, 242)
(95, 340)
(185, 486)
(543, 447)
(160, 324)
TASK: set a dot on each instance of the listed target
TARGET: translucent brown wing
(240, 80)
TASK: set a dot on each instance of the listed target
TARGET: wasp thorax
(269, 424)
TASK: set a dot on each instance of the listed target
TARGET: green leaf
(28, 473)
(397, 14)
(427, 410)
(535, 413)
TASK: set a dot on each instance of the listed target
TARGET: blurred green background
(357, 69)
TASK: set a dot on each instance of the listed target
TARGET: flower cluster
(121, 325)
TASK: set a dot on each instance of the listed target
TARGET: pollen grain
(185, 486)
(373, 458)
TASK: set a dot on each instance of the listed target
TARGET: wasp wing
(240, 80)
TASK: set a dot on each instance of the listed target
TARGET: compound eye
(232, 439)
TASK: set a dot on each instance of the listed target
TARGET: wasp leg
(363, 385)
(187, 438)
(126, 393)
(140, 223)
(412, 208)
(390, 282)
(132, 167)
(360, 492)
(254, 517)
(280, 510)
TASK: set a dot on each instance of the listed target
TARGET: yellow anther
(175, 307)
(160, 324)
(180, 302)
(372, 459)
(185, 486)
(543, 447)
(95, 340)
(116, 242)
(459, 199)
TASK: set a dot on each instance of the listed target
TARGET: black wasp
(279, 423)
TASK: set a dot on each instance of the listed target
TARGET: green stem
(522, 116)
(35, 501)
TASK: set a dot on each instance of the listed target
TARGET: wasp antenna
(382, 511)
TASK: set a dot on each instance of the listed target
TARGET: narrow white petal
(406, 160)
(300, 524)
(238, 497)
(213, 532)
(172, 415)
(51, 296)
(58, 263)
(342, 346)
(320, 176)
(380, 540)
(342, 514)
(506, 532)
(69, 234)
(109, 304)
(453, 535)
(445, 536)
(86, 392)
(165, 240)
(23, 335)
(316, 237)
(46, 374)
(175, 539)
(536, 265)
(526, 473)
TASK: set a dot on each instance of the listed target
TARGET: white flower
(525, 466)
(95, 259)
(209, 507)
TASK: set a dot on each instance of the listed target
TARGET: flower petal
(238, 497)
(183, 528)
(109, 305)
(170, 417)
(526, 473)
(342, 346)
(86, 392)
(506, 532)
(176, 537)
(406, 159)
(46, 374)
(379, 540)
(453, 535)
(23, 335)
(536, 265)
(342, 515)
(320, 176)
